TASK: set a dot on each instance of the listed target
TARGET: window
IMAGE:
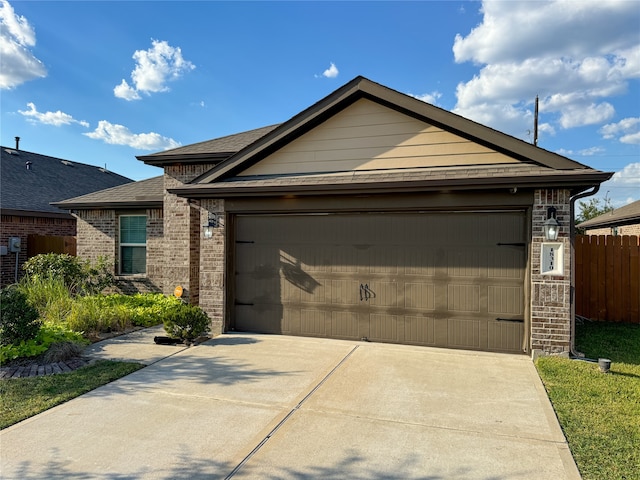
(133, 244)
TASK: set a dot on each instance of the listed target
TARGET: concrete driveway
(258, 406)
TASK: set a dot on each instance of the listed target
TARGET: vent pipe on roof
(17, 143)
(535, 124)
(28, 164)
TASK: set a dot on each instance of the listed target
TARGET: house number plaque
(552, 259)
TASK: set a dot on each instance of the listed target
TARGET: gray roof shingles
(147, 192)
(48, 179)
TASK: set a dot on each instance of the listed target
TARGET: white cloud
(574, 55)
(125, 91)
(628, 129)
(50, 118)
(588, 152)
(331, 72)
(154, 68)
(18, 64)
(428, 97)
(628, 175)
(115, 134)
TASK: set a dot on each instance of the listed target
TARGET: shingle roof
(218, 148)
(30, 181)
(620, 216)
(141, 194)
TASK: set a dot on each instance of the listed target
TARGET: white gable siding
(369, 136)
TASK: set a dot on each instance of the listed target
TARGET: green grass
(21, 398)
(599, 413)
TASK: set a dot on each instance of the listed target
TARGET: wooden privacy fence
(37, 244)
(608, 277)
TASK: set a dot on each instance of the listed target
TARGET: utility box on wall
(14, 244)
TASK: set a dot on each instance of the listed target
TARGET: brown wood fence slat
(37, 244)
(608, 277)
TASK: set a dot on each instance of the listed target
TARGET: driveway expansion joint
(288, 415)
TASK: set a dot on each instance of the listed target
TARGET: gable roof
(532, 166)
(361, 87)
(627, 215)
(141, 194)
(30, 181)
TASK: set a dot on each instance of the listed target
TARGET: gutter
(572, 238)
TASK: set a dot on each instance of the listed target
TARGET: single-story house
(28, 183)
(621, 221)
(371, 215)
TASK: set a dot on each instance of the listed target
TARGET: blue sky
(103, 82)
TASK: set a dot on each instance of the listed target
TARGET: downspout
(572, 241)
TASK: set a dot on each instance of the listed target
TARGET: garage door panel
(345, 325)
(505, 336)
(464, 333)
(463, 298)
(419, 296)
(426, 279)
(419, 330)
(505, 300)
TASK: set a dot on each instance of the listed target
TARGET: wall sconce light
(212, 222)
(551, 226)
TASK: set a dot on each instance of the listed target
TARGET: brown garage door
(439, 279)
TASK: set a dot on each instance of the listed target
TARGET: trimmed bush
(19, 321)
(186, 322)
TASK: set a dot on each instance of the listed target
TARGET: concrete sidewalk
(261, 406)
(137, 347)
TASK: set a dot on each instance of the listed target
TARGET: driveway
(259, 406)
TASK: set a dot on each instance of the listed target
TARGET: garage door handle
(519, 320)
(244, 304)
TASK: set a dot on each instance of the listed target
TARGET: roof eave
(576, 185)
(109, 205)
(160, 160)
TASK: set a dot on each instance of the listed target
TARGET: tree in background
(592, 208)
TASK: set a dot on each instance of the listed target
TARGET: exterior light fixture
(212, 222)
(551, 226)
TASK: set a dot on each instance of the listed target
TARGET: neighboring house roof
(627, 215)
(30, 181)
(142, 194)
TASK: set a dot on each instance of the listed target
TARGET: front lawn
(599, 413)
(21, 398)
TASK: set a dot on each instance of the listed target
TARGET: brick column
(182, 232)
(550, 294)
(213, 265)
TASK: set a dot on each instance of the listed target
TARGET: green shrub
(48, 295)
(186, 322)
(97, 314)
(49, 334)
(79, 276)
(19, 321)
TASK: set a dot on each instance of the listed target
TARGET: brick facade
(550, 294)
(23, 226)
(621, 230)
(183, 230)
(98, 237)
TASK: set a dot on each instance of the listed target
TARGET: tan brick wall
(550, 295)
(23, 226)
(623, 230)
